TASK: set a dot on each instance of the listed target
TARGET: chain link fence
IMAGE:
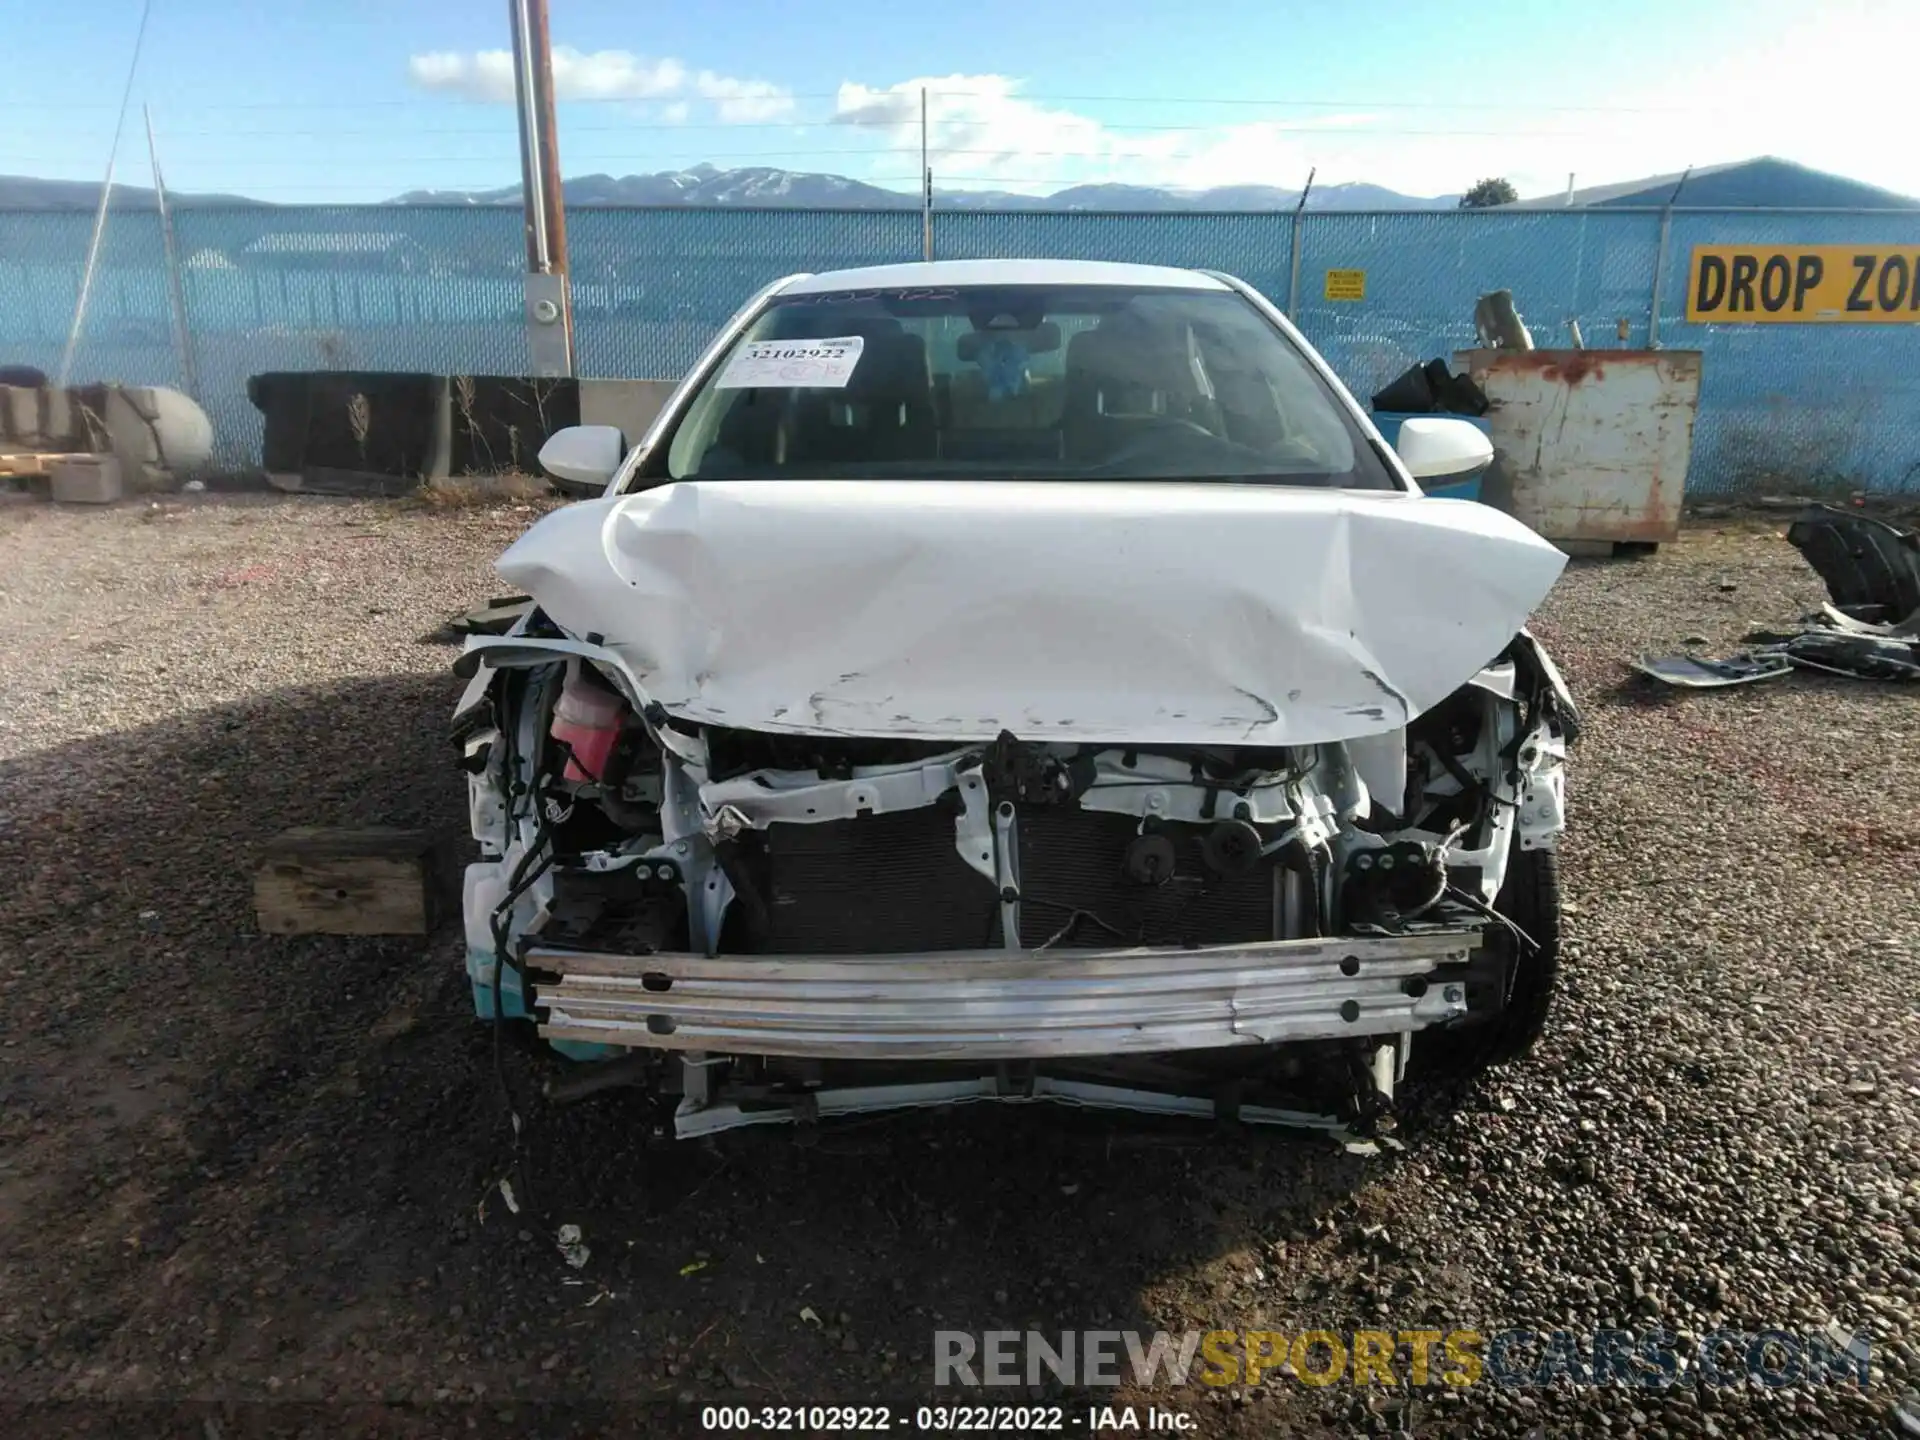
(439, 290)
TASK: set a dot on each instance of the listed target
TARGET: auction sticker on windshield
(822, 364)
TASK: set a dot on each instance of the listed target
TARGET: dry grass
(470, 492)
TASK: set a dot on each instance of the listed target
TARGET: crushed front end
(755, 925)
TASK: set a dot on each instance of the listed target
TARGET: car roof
(963, 273)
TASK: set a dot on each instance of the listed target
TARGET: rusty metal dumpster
(1589, 445)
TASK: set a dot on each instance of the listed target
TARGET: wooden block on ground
(31, 462)
(317, 881)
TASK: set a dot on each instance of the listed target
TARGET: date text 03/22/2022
(948, 1419)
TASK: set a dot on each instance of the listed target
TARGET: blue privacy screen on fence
(438, 289)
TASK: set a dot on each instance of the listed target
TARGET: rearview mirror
(1431, 446)
(584, 454)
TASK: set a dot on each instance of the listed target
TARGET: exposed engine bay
(757, 926)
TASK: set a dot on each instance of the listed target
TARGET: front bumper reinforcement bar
(1001, 1004)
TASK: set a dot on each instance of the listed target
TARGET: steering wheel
(1173, 422)
(1170, 435)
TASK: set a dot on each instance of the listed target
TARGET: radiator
(877, 885)
(885, 884)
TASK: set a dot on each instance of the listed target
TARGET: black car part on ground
(1831, 652)
(1871, 568)
(1695, 672)
(1871, 631)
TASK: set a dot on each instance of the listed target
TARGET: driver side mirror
(584, 454)
(1432, 446)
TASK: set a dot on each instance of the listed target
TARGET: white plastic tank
(158, 427)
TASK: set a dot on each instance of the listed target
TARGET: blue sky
(351, 100)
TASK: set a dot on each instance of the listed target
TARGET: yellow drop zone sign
(1804, 284)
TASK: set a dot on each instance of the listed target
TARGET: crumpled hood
(1151, 613)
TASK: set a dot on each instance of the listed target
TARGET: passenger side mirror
(584, 454)
(1432, 446)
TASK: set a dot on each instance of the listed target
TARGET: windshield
(1018, 382)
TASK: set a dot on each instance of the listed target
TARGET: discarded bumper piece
(1871, 631)
(1860, 657)
(1691, 672)
(1831, 652)
(1871, 568)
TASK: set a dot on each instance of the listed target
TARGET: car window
(1020, 382)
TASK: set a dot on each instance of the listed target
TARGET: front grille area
(894, 884)
(880, 884)
(1072, 860)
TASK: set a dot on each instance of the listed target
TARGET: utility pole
(549, 296)
(926, 185)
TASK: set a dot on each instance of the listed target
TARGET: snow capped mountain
(758, 185)
(763, 185)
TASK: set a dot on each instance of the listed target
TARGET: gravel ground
(248, 1184)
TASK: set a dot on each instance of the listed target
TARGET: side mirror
(584, 454)
(1430, 447)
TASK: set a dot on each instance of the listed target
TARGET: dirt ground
(250, 1185)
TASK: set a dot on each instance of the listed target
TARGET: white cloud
(613, 75)
(487, 75)
(577, 75)
(743, 102)
(1846, 115)
(981, 130)
(483, 75)
(977, 124)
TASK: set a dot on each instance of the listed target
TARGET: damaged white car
(1017, 681)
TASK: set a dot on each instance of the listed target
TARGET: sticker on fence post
(817, 364)
(1346, 284)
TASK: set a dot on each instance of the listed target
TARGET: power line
(1017, 96)
(661, 162)
(186, 202)
(685, 157)
(1333, 134)
(1354, 104)
(506, 124)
